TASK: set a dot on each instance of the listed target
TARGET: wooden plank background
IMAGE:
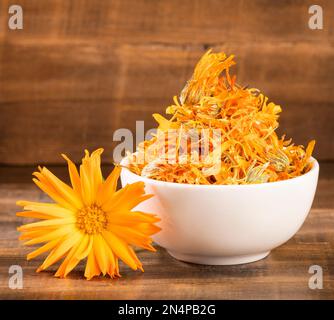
(81, 69)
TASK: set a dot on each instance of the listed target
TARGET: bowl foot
(223, 261)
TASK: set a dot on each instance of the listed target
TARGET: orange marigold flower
(89, 219)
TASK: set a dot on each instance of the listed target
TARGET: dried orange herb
(246, 149)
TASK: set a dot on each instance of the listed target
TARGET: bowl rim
(315, 167)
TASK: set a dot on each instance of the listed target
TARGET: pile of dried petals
(247, 149)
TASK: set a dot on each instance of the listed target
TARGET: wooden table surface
(282, 275)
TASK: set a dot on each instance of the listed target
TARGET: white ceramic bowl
(227, 224)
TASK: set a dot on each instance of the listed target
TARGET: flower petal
(74, 257)
(51, 209)
(92, 269)
(47, 223)
(108, 187)
(99, 249)
(132, 236)
(74, 174)
(67, 229)
(47, 247)
(121, 249)
(63, 247)
(60, 187)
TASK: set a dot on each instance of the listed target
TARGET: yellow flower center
(91, 219)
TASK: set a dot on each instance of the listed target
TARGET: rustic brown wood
(282, 275)
(81, 69)
(78, 104)
(65, 71)
(174, 21)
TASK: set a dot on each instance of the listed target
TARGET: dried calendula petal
(219, 132)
